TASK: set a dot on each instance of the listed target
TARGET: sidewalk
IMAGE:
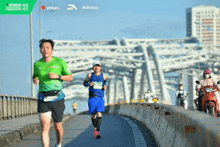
(16, 129)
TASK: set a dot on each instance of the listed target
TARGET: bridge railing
(16, 106)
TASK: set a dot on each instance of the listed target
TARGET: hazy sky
(115, 18)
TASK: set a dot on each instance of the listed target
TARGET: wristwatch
(59, 77)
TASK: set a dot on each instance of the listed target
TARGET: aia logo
(43, 7)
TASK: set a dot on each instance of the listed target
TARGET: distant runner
(75, 107)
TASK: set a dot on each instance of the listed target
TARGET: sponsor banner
(16, 7)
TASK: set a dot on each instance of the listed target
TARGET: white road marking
(138, 137)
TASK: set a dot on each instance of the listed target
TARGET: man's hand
(53, 75)
(91, 84)
(36, 81)
(105, 87)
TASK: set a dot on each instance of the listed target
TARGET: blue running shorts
(96, 104)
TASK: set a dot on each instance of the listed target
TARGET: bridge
(133, 66)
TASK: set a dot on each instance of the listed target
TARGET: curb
(18, 135)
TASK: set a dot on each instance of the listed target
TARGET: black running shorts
(57, 109)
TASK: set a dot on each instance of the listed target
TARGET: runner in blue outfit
(97, 83)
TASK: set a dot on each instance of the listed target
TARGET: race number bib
(97, 85)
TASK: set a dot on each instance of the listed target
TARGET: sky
(115, 18)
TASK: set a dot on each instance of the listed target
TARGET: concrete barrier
(173, 126)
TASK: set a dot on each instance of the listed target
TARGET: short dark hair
(180, 85)
(46, 40)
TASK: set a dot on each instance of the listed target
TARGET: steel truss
(135, 65)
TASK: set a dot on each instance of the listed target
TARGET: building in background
(200, 16)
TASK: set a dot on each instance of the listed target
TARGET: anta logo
(53, 66)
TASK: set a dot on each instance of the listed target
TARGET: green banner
(16, 7)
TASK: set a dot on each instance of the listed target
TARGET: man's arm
(66, 74)
(105, 82)
(86, 81)
(68, 78)
(35, 76)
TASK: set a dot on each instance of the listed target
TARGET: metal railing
(16, 106)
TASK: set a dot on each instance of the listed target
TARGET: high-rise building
(203, 22)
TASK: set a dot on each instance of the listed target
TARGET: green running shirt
(42, 69)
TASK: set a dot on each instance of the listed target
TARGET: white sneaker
(56, 145)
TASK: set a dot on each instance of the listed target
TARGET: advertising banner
(16, 7)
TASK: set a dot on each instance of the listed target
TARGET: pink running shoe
(96, 133)
(98, 136)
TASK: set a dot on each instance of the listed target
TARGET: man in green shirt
(49, 72)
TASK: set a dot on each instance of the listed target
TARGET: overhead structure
(135, 65)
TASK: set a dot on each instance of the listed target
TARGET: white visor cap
(96, 63)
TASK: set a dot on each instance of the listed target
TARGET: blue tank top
(97, 90)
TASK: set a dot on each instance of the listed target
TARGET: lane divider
(138, 137)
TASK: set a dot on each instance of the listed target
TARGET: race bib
(97, 85)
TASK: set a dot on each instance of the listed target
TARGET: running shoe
(99, 136)
(96, 133)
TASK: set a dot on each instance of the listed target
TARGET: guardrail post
(12, 106)
(28, 106)
(1, 107)
(16, 106)
(22, 107)
(31, 105)
(9, 107)
(25, 107)
(6, 107)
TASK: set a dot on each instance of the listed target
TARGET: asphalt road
(116, 131)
